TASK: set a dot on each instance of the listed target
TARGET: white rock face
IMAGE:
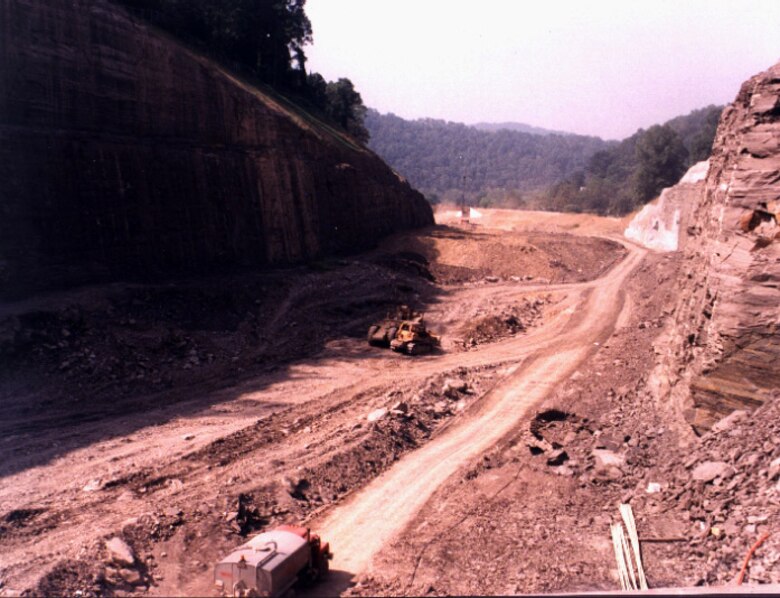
(657, 226)
(696, 173)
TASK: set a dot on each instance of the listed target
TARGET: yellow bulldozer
(404, 332)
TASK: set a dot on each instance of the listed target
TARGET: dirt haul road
(167, 474)
(359, 528)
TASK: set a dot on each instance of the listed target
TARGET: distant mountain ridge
(501, 167)
(519, 127)
(437, 156)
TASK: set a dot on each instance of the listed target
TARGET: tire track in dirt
(359, 528)
(343, 372)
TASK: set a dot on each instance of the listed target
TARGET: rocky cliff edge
(125, 155)
(723, 348)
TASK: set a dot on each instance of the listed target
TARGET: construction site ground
(184, 417)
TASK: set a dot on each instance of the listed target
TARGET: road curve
(359, 528)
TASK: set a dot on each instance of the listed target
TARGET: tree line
(563, 172)
(447, 159)
(450, 161)
(265, 38)
(627, 175)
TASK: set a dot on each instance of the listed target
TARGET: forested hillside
(504, 168)
(513, 126)
(627, 175)
(444, 158)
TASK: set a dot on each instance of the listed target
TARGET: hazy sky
(599, 68)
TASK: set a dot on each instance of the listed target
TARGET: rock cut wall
(123, 154)
(728, 342)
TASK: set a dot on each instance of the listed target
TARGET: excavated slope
(728, 346)
(123, 154)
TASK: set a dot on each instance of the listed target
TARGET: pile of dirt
(728, 489)
(120, 341)
(707, 503)
(457, 255)
(512, 319)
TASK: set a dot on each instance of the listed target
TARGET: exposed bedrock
(125, 155)
(727, 341)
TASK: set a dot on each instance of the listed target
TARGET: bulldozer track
(157, 452)
(360, 527)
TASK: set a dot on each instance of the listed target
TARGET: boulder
(377, 414)
(539, 445)
(441, 407)
(750, 460)
(564, 470)
(728, 422)
(400, 408)
(93, 485)
(296, 487)
(774, 469)
(709, 470)
(131, 576)
(608, 464)
(605, 459)
(120, 551)
(453, 386)
(557, 457)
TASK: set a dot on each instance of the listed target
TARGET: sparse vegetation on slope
(262, 38)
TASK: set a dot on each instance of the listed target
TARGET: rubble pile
(728, 488)
(473, 257)
(512, 319)
(708, 502)
(402, 420)
(126, 340)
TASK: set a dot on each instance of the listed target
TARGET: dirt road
(169, 471)
(359, 528)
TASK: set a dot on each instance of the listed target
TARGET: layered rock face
(728, 342)
(123, 154)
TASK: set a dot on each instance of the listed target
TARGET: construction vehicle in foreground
(404, 332)
(272, 562)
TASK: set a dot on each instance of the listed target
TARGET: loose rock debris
(270, 472)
